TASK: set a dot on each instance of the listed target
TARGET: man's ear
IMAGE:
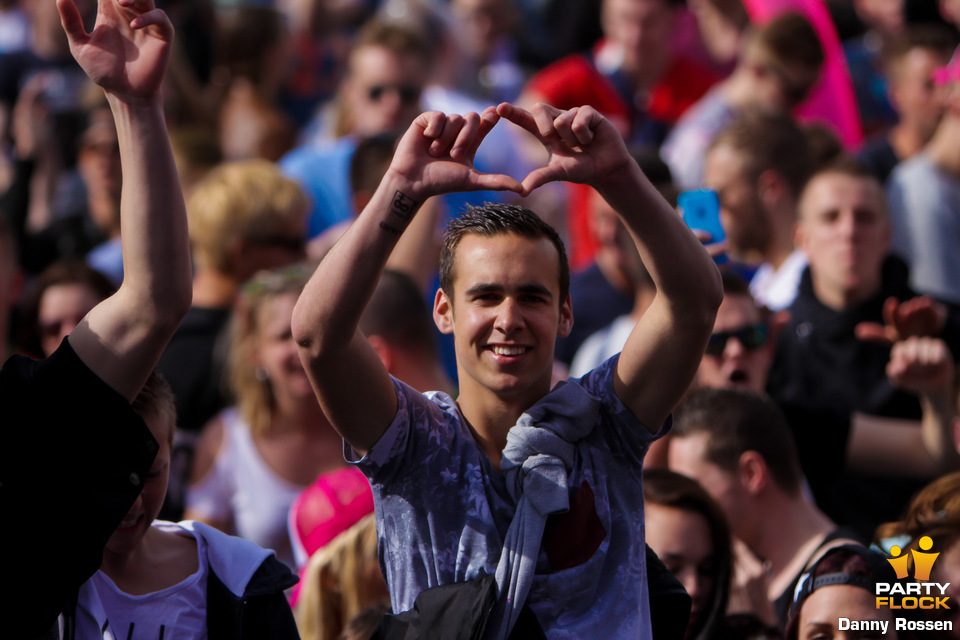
(799, 238)
(753, 472)
(566, 318)
(770, 188)
(443, 312)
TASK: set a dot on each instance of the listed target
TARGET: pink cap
(328, 507)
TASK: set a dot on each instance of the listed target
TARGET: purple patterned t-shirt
(443, 511)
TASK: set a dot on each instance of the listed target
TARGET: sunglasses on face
(408, 93)
(752, 337)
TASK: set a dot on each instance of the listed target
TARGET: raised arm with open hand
(664, 349)
(128, 50)
(127, 53)
(434, 156)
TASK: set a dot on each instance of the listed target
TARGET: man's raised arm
(127, 53)
(435, 156)
(663, 351)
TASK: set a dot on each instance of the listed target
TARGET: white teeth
(508, 351)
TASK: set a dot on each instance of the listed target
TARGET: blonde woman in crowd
(253, 459)
(342, 580)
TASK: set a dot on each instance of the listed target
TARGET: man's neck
(791, 529)
(842, 300)
(490, 419)
(943, 149)
(906, 141)
(780, 249)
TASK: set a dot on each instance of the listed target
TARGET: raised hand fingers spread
(72, 21)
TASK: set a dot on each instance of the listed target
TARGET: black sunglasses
(751, 337)
(408, 93)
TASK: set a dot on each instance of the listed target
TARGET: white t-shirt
(178, 612)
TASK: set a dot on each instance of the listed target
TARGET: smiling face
(505, 314)
(843, 229)
(144, 511)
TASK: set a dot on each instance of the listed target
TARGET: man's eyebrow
(492, 287)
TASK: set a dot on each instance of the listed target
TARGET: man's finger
(875, 332)
(72, 21)
(451, 129)
(544, 115)
(563, 125)
(520, 117)
(155, 18)
(465, 139)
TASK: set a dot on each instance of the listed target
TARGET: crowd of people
(396, 296)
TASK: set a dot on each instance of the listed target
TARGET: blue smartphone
(701, 211)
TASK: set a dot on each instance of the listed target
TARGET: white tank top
(241, 486)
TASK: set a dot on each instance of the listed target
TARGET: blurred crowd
(826, 404)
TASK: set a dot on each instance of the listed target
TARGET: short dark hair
(769, 141)
(491, 220)
(790, 41)
(156, 400)
(736, 421)
(70, 271)
(398, 312)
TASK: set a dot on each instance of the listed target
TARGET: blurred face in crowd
(742, 214)
(383, 90)
(98, 162)
(913, 91)
(682, 540)
(884, 16)
(61, 309)
(738, 354)
(643, 29)
(276, 351)
(822, 610)
(484, 22)
(844, 231)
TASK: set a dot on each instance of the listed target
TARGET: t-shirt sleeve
(73, 459)
(420, 431)
(624, 430)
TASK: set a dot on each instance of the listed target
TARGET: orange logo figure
(899, 564)
(922, 561)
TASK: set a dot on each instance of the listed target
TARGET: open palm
(127, 51)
